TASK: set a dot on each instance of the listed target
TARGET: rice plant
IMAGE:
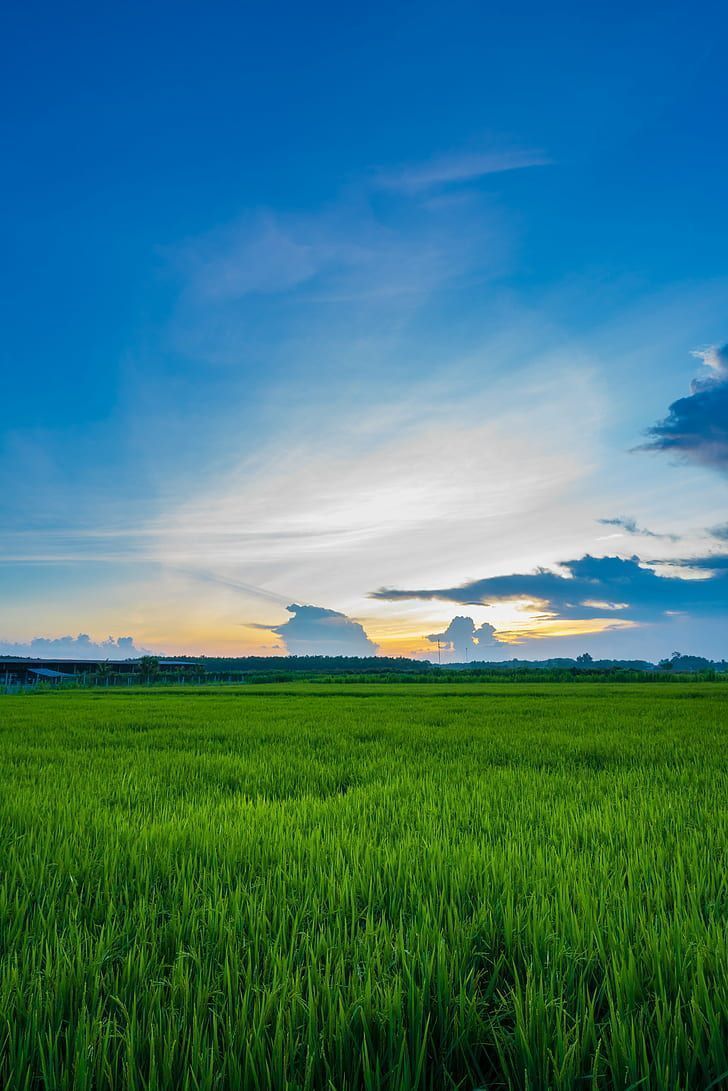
(381, 887)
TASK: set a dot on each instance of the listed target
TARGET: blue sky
(303, 303)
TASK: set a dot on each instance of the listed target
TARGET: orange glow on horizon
(398, 638)
(395, 636)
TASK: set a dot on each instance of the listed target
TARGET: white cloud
(350, 251)
(74, 647)
(464, 640)
(458, 167)
(452, 478)
(714, 357)
(259, 254)
(313, 630)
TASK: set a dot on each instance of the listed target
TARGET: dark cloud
(464, 639)
(632, 527)
(720, 532)
(597, 587)
(75, 647)
(315, 631)
(713, 563)
(621, 521)
(696, 427)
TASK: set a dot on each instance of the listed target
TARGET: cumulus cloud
(463, 638)
(631, 526)
(314, 630)
(696, 427)
(595, 587)
(75, 647)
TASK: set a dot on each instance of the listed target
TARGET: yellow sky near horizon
(395, 636)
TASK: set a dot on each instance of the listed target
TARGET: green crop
(340, 888)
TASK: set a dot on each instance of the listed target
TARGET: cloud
(696, 427)
(256, 255)
(314, 630)
(376, 242)
(720, 532)
(463, 638)
(713, 563)
(351, 251)
(78, 647)
(714, 358)
(621, 521)
(235, 585)
(631, 527)
(462, 167)
(590, 587)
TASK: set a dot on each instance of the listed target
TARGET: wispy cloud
(248, 589)
(632, 527)
(366, 495)
(331, 504)
(260, 253)
(361, 245)
(457, 168)
(345, 252)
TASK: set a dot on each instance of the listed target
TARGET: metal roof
(44, 673)
(29, 662)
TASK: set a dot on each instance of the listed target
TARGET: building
(27, 672)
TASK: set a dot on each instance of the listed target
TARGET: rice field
(380, 887)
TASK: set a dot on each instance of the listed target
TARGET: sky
(359, 329)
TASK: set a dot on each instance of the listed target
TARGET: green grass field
(365, 887)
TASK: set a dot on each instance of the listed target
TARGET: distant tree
(104, 672)
(693, 663)
(585, 659)
(191, 673)
(671, 663)
(148, 667)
